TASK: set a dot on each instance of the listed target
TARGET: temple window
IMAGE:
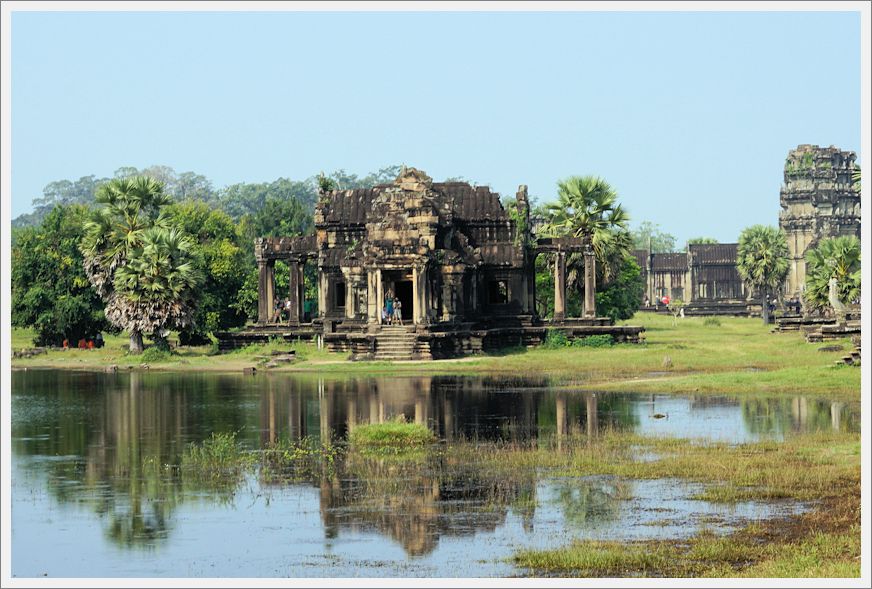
(498, 292)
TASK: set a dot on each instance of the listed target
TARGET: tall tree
(156, 289)
(839, 258)
(763, 261)
(587, 208)
(224, 258)
(128, 208)
(50, 291)
(648, 236)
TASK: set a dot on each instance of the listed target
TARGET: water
(96, 493)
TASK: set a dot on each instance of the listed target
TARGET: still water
(95, 492)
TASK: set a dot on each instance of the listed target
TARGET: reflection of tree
(121, 441)
(590, 500)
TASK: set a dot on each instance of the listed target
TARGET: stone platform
(411, 342)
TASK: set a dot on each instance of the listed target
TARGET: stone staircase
(853, 359)
(395, 342)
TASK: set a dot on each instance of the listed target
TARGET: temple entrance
(398, 284)
(403, 291)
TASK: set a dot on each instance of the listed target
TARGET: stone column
(418, 295)
(323, 287)
(373, 312)
(350, 283)
(589, 283)
(379, 295)
(559, 286)
(265, 290)
(294, 275)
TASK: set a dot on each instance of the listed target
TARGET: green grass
(812, 467)
(738, 357)
(391, 437)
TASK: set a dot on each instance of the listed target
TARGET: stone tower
(818, 200)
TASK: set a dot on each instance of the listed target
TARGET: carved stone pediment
(413, 180)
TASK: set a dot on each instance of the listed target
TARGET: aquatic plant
(394, 436)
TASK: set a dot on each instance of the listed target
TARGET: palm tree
(587, 208)
(155, 290)
(130, 206)
(839, 258)
(763, 261)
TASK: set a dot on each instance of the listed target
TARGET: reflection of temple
(454, 408)
(460, 263)
(417, 503)
(115, 439)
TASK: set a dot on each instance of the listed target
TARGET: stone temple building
(704, 277)
(818, 200)
(460, 263)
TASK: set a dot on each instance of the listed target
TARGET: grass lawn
(738, 356)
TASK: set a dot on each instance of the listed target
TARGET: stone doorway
(403, 291)
(399, 285)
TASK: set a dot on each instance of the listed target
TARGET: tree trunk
(765, 307)
(136, 346)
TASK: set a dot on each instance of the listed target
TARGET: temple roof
(468, 203)
(669, 262)
(714, 253)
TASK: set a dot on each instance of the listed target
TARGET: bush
(155, 354)
(555, 338)
(392, 436)
(218, 462)
(712, 322)
(594, 341)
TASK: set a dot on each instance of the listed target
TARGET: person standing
(390, 310)
(398, 311)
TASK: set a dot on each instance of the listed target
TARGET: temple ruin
(462, 266)
(704, 277)
(818, 200)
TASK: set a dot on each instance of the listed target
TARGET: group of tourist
(392, 311)
(86, 343)
(281, 308)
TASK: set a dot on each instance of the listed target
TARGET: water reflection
(113, 444)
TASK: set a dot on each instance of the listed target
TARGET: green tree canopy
(648, 236)
(622, 296)
(143, 268)
(50, 291)
(702, 241)
(156, 289)
(224, 258)
(839, 258)
(762, 260)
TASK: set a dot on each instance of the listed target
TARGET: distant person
(66, 344)
(288, 308)
(384, 315)
(390, 310)
(647, 301)
(98, 341)
(277, 312)
(83, 344)
(398, 311)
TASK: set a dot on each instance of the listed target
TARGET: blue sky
(688, 115)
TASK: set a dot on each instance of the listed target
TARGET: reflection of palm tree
(590, 501)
